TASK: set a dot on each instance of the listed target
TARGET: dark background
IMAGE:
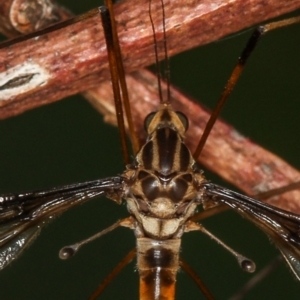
(68, 142)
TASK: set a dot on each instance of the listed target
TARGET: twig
(71, 57)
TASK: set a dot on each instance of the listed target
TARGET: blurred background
(68, 142)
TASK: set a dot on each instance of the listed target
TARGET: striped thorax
(163, 183)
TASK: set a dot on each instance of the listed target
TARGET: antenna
(118, 80)
(166, 64)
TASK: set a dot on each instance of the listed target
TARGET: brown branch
(227, 153)
(71, 56)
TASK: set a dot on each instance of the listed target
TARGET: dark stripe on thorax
(147, 155)
(166, 140)
(184, 157)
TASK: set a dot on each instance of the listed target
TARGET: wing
(281, 226)
(23, 215)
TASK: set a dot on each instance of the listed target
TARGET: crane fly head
(166, 117)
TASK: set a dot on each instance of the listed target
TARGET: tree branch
(73, 57)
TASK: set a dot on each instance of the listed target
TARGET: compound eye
(184, 120)
(148, 120)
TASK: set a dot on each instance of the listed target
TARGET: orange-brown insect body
(162, 193)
